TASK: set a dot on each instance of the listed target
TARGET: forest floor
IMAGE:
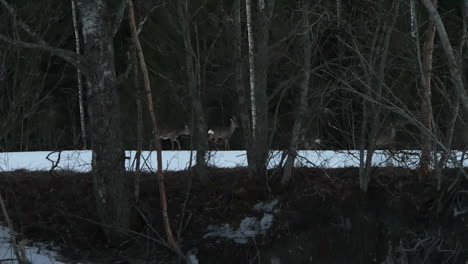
(321, 217)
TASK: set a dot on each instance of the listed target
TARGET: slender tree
(251, 43)
(78, 76)
(374, 67)
(261, 132)
(199, 135)
(425, 94)
(453, 65)
(160, 175)
(302, 94)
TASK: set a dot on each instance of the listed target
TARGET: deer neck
(233, 127)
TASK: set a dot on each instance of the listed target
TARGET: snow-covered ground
(36, 255)
(77, 160)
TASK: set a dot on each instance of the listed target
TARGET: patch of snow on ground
(266, 206)
(34, 254)
(266, 222)
(192, 256)
(249, 226)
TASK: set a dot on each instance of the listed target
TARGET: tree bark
(139, 106)
(251, 42)
(243, 108)
(162, 190)
(426, 105)
(454, 67)
(103, 105)
(78, 77)
(302, 95)
(261, 132)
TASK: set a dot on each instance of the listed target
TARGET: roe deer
(173, 135)
(387, 135)
(224, 133)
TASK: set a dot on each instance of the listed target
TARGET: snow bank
(179, 160)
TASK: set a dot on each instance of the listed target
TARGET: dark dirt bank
(322, 217)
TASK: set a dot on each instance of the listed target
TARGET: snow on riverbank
(78, 160)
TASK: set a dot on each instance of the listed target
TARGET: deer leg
(178, 144)
(172, 144)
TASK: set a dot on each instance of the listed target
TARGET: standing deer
(173, 135)
(224, 133)
(387, 135)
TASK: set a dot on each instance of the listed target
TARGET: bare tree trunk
(200, 132)
(138, 96)
(261, 131)
(162, 190)
(426, 105)
(103, 105)
(376, 82)
(251, 41)
(78, 77)
(302, 95)
(455, 106)
(338, 12)
(243, 107)
(413, 18)
(363, 180)
(454, 68)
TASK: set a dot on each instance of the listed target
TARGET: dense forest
(263, 75)
(366, 56)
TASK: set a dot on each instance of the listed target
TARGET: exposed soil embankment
(322, 217)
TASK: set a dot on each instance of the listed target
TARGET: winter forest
(272, 82)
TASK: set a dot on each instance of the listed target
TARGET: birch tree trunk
(243, 107)
(302, 95)
(338, 12)
(78, 77)
(425, 93)
(162, 190)
(103, 105)
(251, 41)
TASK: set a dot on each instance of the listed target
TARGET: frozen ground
(36, 255)
(179, 160)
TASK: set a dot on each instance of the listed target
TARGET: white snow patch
(36, 255)
(266, 206)
(249, 226)
(192, 256)
(266, 222)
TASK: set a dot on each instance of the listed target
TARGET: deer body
(386, 136)
(223, 133)
(173, 135)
